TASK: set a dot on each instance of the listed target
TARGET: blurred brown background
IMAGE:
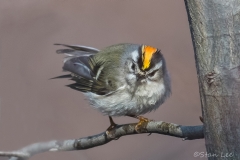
(34, 108)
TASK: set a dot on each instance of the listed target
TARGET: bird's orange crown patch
(147, 53)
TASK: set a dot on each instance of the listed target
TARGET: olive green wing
(84, 69)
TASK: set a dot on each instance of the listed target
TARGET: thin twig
(160, 127)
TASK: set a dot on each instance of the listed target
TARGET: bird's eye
(133, 67)
(152, 73)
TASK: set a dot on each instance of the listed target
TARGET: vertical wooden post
(215, 30)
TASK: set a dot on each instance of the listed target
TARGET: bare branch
(160, 127)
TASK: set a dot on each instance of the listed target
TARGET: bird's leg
(141, 125)
(112, 125)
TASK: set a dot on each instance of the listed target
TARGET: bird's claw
(142, 124)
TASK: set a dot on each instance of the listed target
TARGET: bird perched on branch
(120, 80)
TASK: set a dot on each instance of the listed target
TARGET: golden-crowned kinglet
(120, 80)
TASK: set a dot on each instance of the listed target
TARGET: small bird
(119, 80)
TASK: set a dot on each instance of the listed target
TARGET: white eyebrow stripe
(157, 66)
(135, 55)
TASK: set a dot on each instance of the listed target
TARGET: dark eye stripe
(133, 66)
(153, 73)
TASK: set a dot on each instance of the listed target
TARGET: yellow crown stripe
(147, 53)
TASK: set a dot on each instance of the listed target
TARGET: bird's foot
(142, 124)
(111, 127)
